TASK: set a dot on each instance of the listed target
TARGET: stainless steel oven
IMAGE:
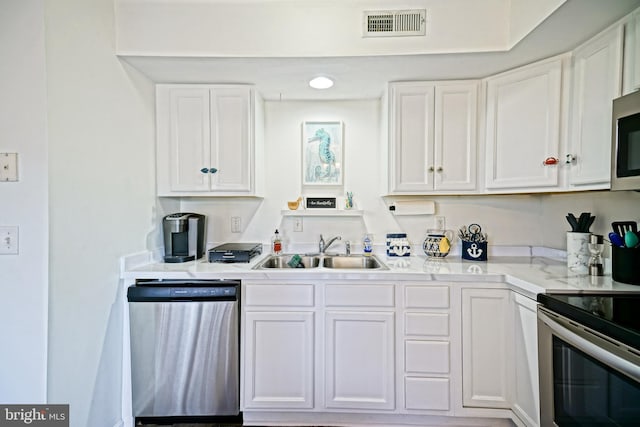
(589, 360)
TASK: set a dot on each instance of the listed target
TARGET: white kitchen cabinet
(278, 346)
(526, 395)
(487, 354)
(359, 346)
(632, 51)
(207, 140)
(426, 348)
(597, 80)
(523, 127)
(432, 133)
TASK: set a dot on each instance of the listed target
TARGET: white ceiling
(366, 76)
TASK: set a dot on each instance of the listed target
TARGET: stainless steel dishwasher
(184, 349)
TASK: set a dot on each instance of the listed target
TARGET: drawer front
(426, 324)
(359, 295)
(426, 296)
(426, 393)
(426, 357)
(274, 295)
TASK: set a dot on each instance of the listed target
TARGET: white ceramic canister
(578, 252)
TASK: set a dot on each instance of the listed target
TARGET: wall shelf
(322, 212)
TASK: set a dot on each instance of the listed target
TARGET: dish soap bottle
(276, 243)
(367, 245)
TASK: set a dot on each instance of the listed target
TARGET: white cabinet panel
(597, 81)
(206, 140)
(279, 362)
(486, 345)
(523, 126)
(433, 128)
(426, 357)
(426, 393)
(359, 359)
(426, 296)
(267, 294)
(359, 295)
(426, 324)
(526, 399)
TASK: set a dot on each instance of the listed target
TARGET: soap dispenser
(276, 243)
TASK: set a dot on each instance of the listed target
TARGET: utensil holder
(624, 265)
(578, 252)
(474, 251)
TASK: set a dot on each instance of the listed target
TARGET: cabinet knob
(439, 169)
(207, 170)
(549, 161)
(431, 169)
(570, 158)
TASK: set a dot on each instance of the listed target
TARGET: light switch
(8, 240)
(8, 167)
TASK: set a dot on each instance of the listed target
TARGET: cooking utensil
(630, 239)
(581, 224)
(616, 240)
(621, 227)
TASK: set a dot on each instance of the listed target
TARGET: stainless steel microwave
(625, 143)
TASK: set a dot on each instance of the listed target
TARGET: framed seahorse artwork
(322, 153)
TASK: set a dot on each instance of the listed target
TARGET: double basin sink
(351, 262)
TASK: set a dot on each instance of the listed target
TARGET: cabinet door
(523, 126)
(526, 397)
(412, 133)
(231, 148)
(456, 107)
(359, 349)
(597, 81)
(486, 348)
(279, 362)
(188, 150)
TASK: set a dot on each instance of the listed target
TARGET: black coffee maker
(183, 237)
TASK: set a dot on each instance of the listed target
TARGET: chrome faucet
(323, 247)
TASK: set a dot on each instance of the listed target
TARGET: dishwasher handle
(215, 291)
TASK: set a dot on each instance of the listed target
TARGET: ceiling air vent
(394, 23)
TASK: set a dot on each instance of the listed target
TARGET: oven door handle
(618, 363)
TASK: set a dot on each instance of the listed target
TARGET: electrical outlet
(297, 223)
(439, 222)
(236, 224)
(8, 240)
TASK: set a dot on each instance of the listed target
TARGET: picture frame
(322, 153)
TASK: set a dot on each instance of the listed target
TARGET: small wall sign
(320, 203)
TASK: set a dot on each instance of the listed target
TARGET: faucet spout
(322, 246)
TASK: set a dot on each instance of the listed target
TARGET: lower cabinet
(500, 352)
(279, 346)
(426, 347)
(404, 349)
(359, 349)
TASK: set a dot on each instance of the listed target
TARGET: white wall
(23, 130)
(302, 28)
(102, 205)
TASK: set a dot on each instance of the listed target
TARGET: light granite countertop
(528, 275)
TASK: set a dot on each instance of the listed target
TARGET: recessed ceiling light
(321, 82)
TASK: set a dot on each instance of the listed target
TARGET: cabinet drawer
(426, 393)
(426, 324)
(426, 296)
(359, 295)
(426, 357)
(266, 295)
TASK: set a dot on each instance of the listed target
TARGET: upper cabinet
(432, 131)
(597, 75)
(523, 127)
(207, 140)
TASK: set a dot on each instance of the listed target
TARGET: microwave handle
(618, 363)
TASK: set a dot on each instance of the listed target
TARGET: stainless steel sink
(281, 261)
(351, 262)
(354, 262)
